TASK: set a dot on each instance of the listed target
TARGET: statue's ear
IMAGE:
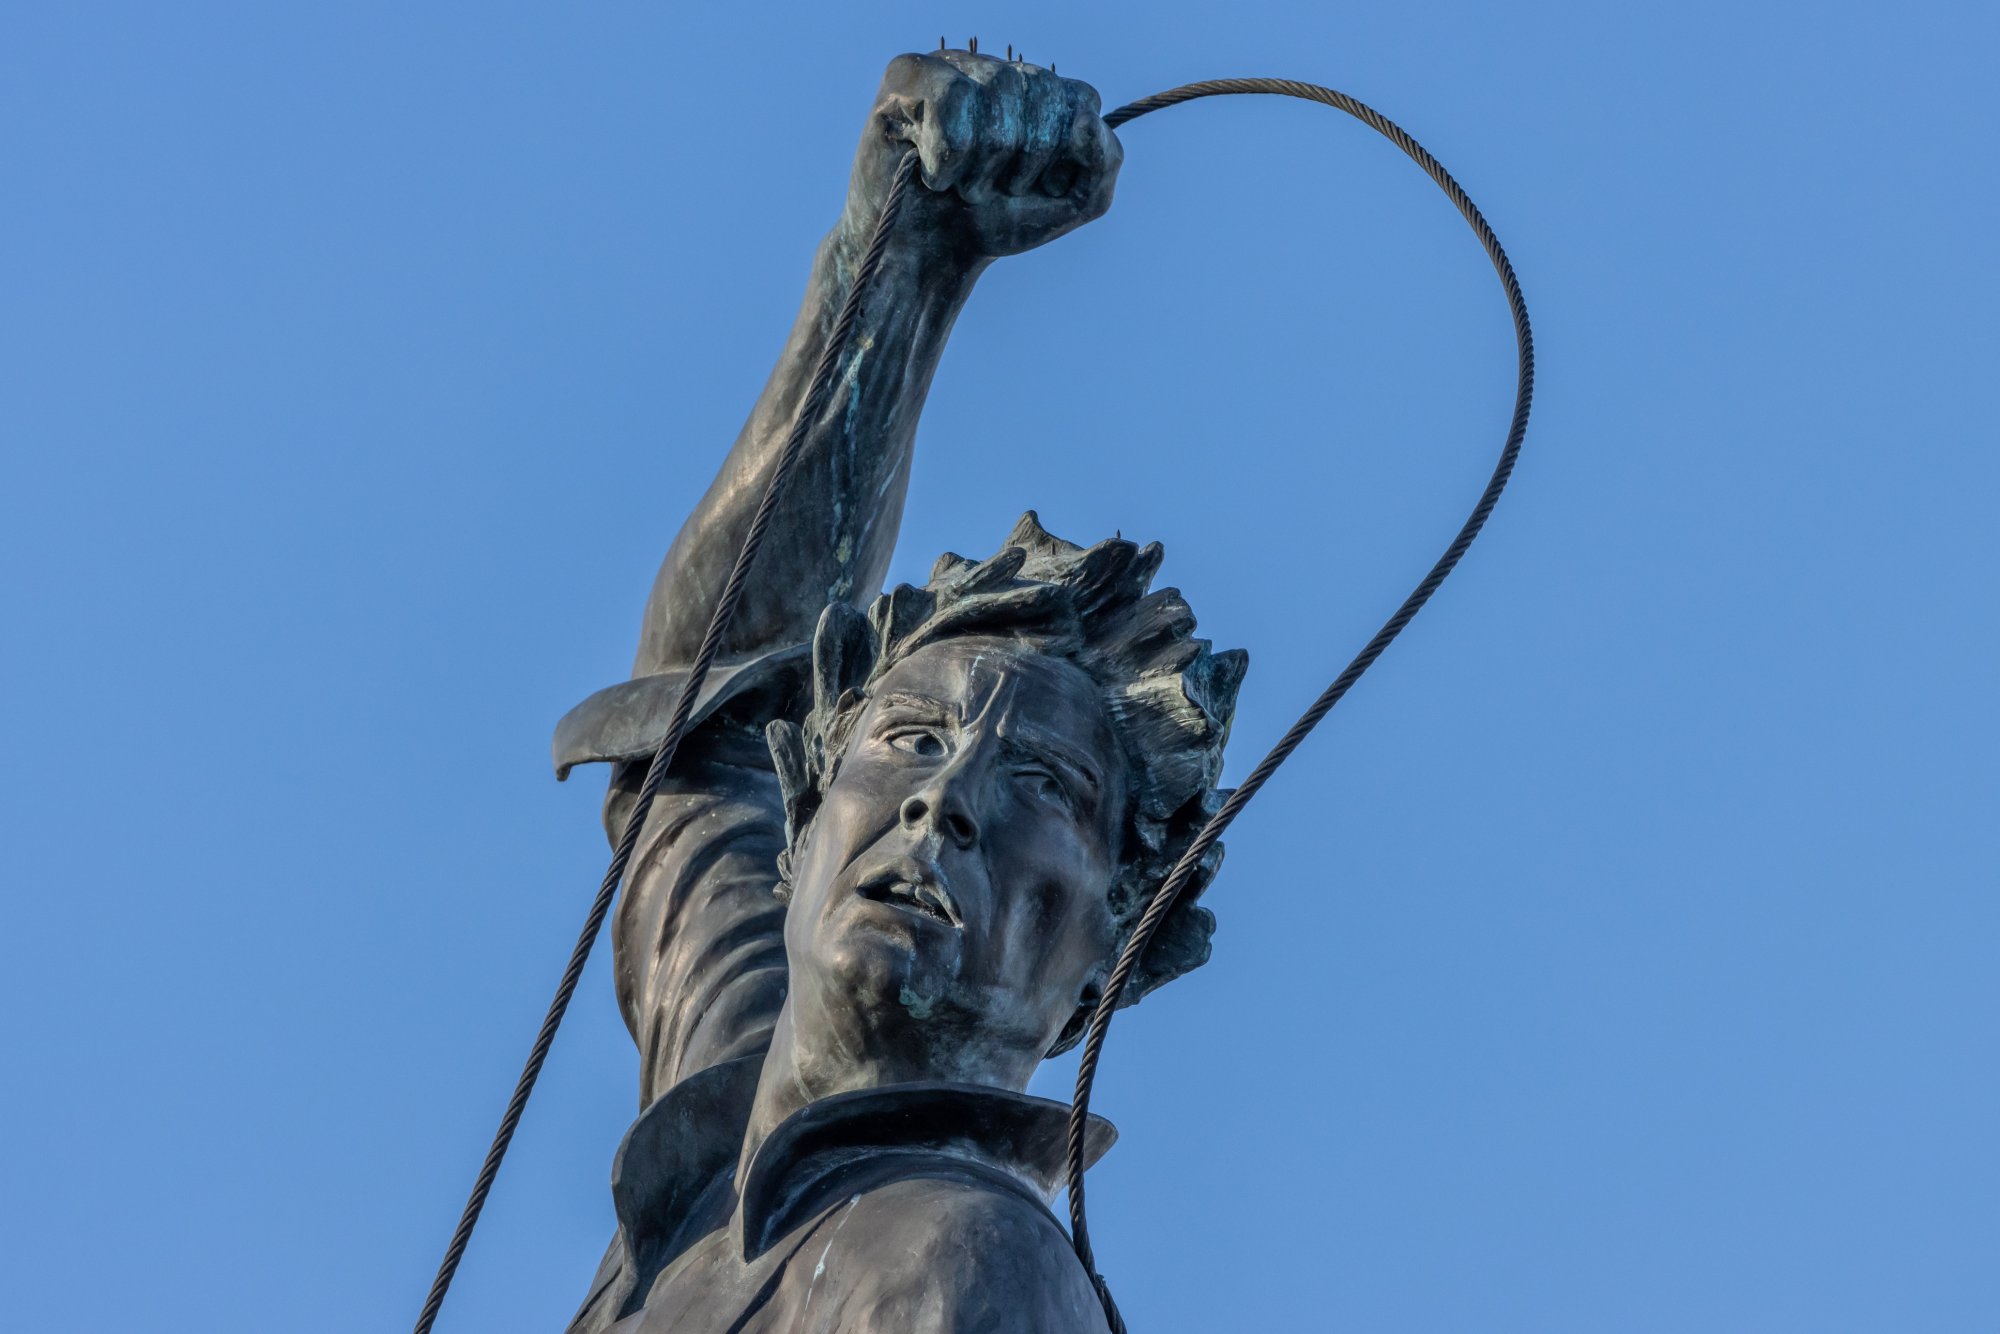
(795, 788)
(795, 785)
(843, 653)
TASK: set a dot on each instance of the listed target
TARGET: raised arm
(1011, 156)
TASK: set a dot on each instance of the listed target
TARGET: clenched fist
(1011, 155)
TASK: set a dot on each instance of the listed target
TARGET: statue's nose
(943, 805)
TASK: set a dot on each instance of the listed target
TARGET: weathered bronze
(892, 865)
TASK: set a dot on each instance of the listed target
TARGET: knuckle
(1084, 97)
(953, 107)
(958, 125)
(999, 123)
(928, 76)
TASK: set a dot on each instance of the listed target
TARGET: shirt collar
(691, 1136)
(853, 1141)
(685, 1141)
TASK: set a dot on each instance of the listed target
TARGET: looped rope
(810, 408)
(1170, 889)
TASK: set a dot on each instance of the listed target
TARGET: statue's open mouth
(915, 886)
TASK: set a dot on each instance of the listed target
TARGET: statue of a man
(897, 855)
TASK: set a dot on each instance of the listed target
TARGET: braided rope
(809, 410)
(1170, 889)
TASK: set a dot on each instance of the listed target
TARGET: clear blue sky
(1621, 956)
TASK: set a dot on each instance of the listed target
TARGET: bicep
(699, 938)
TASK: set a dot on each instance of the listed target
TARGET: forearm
(836, 523)
(1011, 157)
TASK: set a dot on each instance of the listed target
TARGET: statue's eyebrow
(898, 699)
(1038, 746)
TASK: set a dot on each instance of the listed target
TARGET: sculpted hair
(1170, 699)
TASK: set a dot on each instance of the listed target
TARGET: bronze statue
(894, 861)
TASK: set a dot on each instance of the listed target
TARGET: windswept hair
(1170, 699)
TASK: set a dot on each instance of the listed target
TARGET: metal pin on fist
(1011, 155)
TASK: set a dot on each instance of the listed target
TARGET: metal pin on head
(973, 46)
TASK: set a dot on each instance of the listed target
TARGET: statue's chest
(711, 1287)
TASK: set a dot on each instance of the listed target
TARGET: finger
(1046, 116)
(904, 77)
(997, 122)
(1084, 97)
(1077, 156)
(1087, 150)
(946, 133)
(1093, 194)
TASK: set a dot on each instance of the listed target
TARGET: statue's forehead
(1017, 687)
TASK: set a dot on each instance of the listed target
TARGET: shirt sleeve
(698, 941)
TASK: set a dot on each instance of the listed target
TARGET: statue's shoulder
(960, 1254)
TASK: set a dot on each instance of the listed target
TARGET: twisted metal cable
(809, 410)
(1177, 879)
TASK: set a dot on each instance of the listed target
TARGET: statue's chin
(878, 997)
(877, 967)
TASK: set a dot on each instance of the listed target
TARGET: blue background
(1621, 956)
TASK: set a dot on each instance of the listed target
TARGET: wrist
(921, 260)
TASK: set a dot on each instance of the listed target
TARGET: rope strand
(718, 624)
(1170, 889)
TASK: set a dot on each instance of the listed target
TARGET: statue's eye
(920, 741)
(1047, 787)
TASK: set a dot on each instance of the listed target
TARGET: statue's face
(952, 886)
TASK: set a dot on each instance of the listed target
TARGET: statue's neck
(800, 1069)
(781, 1090)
